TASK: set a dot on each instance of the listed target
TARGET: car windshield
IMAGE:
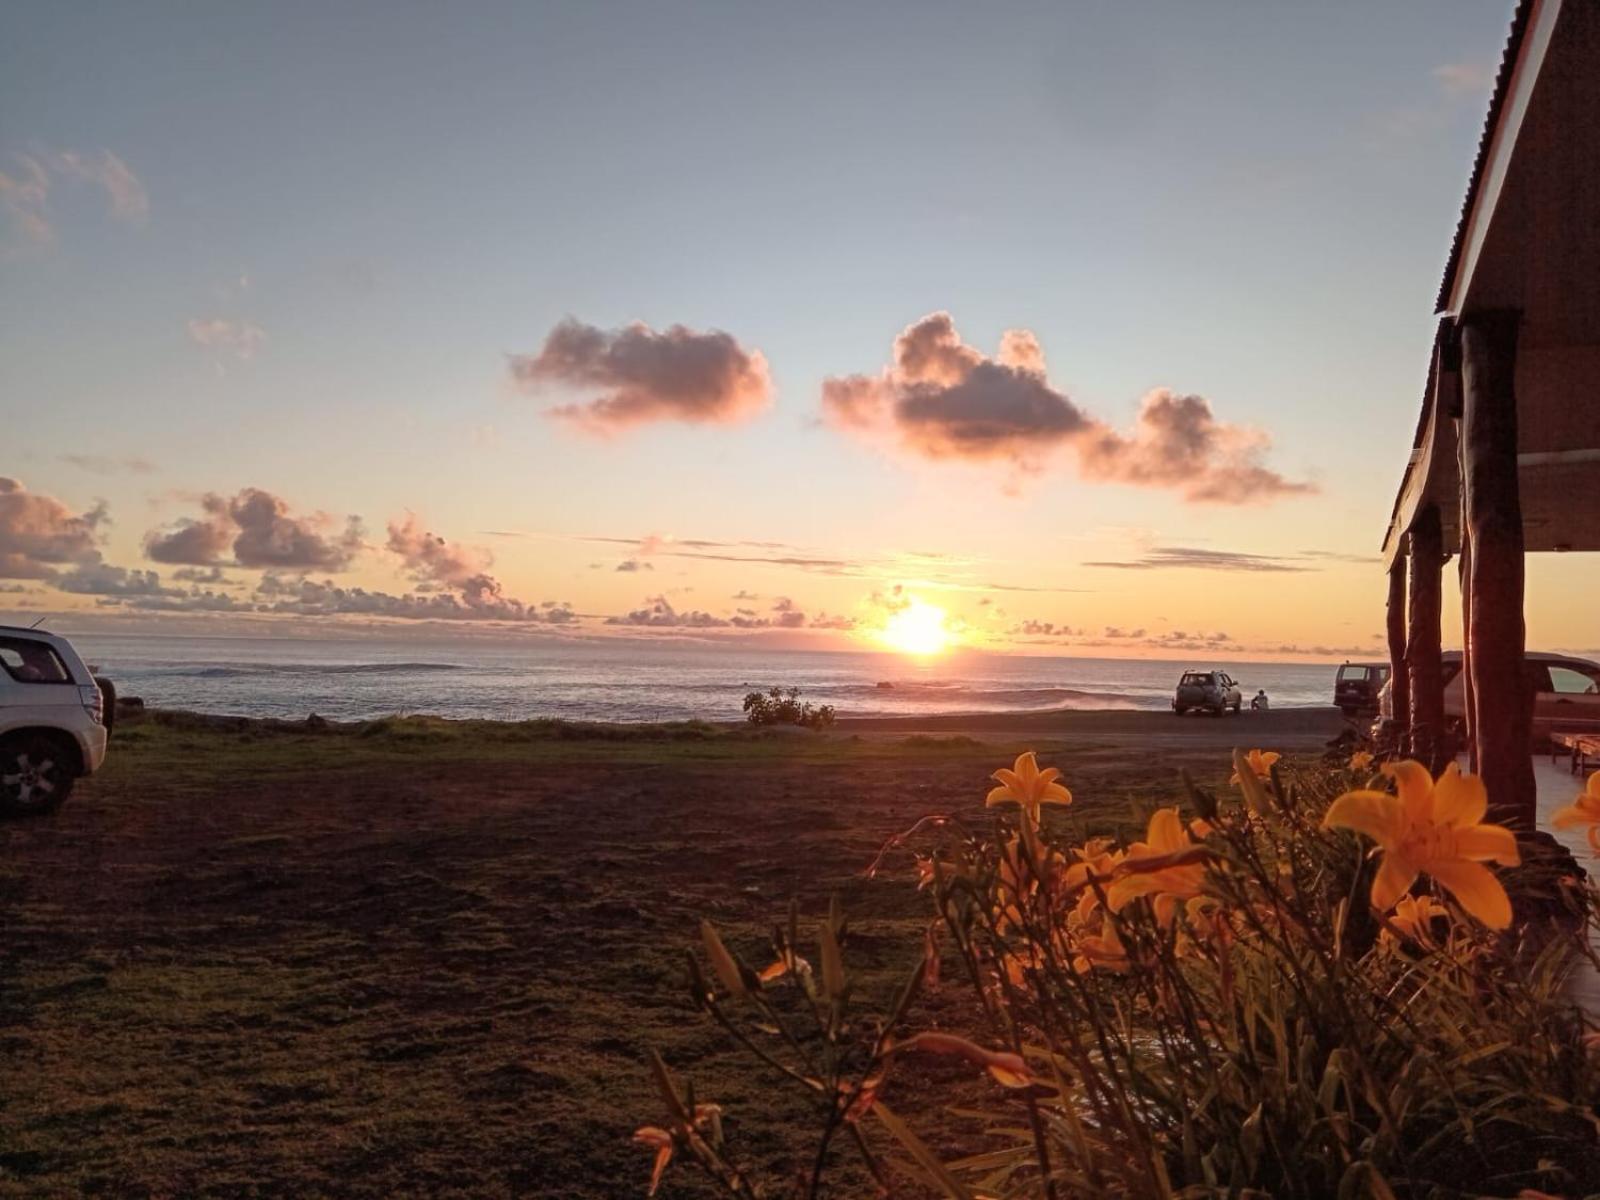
(1195, 679)
(1350, 672)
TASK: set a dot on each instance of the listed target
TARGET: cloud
(259, 530)
(1042, 629)
(226, 337)
(100, 464)
(39, 534)
(941, 399)
(25, 191)
(1337, 556)
(306, 597)
(658, 613)
(1177, 442)
(635, 564)
(1171, 557)
(103, 579)
(644, 376)
(703, 548)
(1464, 79)
(434, 561)
(207, 575)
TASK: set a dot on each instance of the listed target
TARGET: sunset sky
(1101, 327)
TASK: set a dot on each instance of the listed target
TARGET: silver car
(1214, 692)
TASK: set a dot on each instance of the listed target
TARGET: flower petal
(1394, 880)
(1572, 814)
(1376, 814)
(1476, 889)
(1458, 799)
(1488, 843)
(1056, 794)
(1416, 788)
(999, 795)
(1166, 831)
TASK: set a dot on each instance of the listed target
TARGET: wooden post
(1496, 633)
(1399, 677)
(1468, 696)
(1426, 726)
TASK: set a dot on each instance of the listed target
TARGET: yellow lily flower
(1585, 810)
(1361, 760)
(1025, 784)
(1413, 916)
(1260, 764)
(1435, 829)
(1103, 951)
(1181, 879)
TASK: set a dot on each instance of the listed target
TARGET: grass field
(428, 958)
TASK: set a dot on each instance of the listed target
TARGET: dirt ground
(424, 959)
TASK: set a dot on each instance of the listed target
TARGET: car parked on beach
(1357, 685)
(54, 720)
(1563, 690)
(1215, 692)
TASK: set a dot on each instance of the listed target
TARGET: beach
(432, 957)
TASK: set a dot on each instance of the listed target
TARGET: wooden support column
(1426, 725)
(1399, 676)
(1468, 695)
(1496, 633)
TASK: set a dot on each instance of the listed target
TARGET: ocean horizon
(630, 680)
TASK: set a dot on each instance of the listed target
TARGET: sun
(918, 629)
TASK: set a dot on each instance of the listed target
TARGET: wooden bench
(1579, 747)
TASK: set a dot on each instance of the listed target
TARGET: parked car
(54, 720)
(1211, 691)
(1564, 691)
(1357, 686)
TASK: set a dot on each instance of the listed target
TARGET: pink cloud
(942, 399)
(642, 376)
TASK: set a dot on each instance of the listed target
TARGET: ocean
(632, 680)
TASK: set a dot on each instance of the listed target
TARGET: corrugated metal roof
(1502, 86)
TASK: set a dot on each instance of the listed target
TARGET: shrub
(1216, 1008)
(778, 707)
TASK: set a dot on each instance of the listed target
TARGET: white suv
(53, 720)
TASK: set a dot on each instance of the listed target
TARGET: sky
(1100, 327)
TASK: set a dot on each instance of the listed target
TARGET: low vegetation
(1331, 980)
(779, 707)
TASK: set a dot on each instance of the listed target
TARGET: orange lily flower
(659, 1140)
(1103, 950)
(1585, 810)
(1025, 784)
(1260, 764)
(1361, 760)
(1181, 879)
(1413, 916)
(1435, 829)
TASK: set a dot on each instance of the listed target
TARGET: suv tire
(36, 776)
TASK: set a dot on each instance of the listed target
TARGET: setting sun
(918, 628)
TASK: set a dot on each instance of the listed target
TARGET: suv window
(1571, 682)
(27, 661)
(1349, 672)
(1195, 679)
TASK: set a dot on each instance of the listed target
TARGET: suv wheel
(35, 777)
